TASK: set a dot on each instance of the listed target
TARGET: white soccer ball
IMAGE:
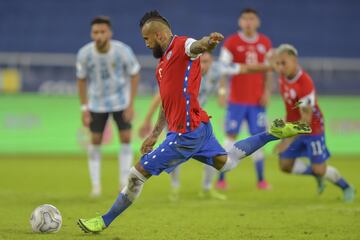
(45, 219)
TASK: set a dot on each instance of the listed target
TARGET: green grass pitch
(291, 210)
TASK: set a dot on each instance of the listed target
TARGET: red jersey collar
(243, 37)
(171, 42)
(296, 77)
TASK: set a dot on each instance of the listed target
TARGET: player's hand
(265, 99)
(148, 144)
(86, 118)
(145, 129)
(128, 114)
(215, 38)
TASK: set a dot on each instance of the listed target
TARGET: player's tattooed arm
(160, 124)
(150, 141)
(206, 43)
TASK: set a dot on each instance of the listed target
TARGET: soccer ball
(45, 219)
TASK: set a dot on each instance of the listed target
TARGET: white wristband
(84, 108)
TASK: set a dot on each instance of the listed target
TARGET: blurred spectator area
(55, 73)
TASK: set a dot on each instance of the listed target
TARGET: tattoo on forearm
(160, 124)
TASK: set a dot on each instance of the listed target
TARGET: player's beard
(101, 46)
(157, 51)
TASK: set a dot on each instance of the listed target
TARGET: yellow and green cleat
(92, 225)
(212, 194)
(281, 129)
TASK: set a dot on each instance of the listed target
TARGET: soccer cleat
(174, 194)
(212, 194)
(92, 225)
(221, 185)
(281, 129)
(349, 194)
(263, 185)
(321, 184)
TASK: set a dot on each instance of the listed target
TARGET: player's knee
(319, 170)
(219, 161)
(231, 136)
(135, 184)
(285, 166)
(96, 138)
(125, 136)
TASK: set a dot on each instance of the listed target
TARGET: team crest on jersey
(261, 48)
(168, 56)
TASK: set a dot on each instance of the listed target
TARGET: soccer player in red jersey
(298, 92)
(190, 133)
(249, 94)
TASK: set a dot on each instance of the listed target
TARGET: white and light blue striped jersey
(210, 81)
(108, 75)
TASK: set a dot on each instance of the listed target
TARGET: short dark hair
(249, 10)
(101, 20)
(153, 15)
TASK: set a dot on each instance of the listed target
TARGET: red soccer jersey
(179, 80)
(301, 90)
(247, 88)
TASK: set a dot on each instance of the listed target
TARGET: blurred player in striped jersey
(299, 94)
(249, 94)
(108, 75)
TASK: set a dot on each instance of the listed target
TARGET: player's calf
(286, 165)
(127, 196)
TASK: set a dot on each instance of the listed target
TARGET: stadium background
(39, 110)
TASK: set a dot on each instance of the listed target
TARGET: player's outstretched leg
(279, 129)
(127, 196)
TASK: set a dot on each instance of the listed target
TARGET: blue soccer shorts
(177, 148)
(255, 115)
(309, 146)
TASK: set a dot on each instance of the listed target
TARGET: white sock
(125, 163)
(258, 155)
(134, 184)
(332, 174)
(299, 167)
(175, 177)
(209, 173)
(228, 144)
(94, 159)
(234, 156)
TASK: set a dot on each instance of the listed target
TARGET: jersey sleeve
(131, 62)
(188, 44)
(81, 71)
(307, 93)
(226, 55)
